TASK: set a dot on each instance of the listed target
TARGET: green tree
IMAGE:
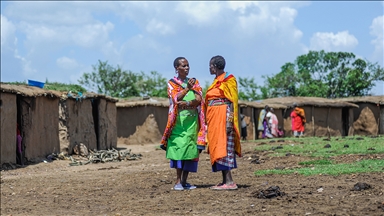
(116, 82)
(153, 85)
(324, 74)
(282, 84)
(108, 80)
(248, 89)
(205, 88)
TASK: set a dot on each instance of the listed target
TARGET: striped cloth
(229, 160)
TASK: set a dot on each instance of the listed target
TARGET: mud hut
(252, 110)
(87, 118)
(325, 117)
(36, 112)
(368, 119)
(141, 120)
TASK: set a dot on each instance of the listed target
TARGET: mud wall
(106, 130)
(39, 124)
(128, 118)
(8, 115)
(76, 125)
(248, 112)
(318, 121)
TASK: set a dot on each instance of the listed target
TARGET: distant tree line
(116, 82)
(315, 74)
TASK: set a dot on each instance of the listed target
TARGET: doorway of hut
(95, 114)
(345, 121)
(20, 154)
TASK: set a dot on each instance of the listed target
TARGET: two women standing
(190, 118)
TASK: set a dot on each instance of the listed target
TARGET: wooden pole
(313, 120)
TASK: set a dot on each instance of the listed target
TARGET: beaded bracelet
(230, 119)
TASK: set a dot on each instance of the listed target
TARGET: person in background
(223, 133)
(261, 122)
(298, 120)
(273, 123)
(244, 133)
(184, 135)
(19, 149)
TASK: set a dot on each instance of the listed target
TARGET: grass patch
(18, 83)
(64, 87)
(315, 162)
(314, 146)
(363, 166)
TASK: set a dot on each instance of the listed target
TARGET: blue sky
(60, 41)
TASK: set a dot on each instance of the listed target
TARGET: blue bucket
(36, 83)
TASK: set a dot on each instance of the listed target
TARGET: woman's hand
(191, 83)
(230, 123)
(183, 103)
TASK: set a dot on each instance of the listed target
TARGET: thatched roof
(367, 99)
(164, 102)
(32, 91)
(261, 105)
(28, 91)
(138, 101)
(94, 95)
(308, 101)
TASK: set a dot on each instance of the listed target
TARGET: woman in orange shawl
(223, 134)
(184, 135)
(298, 120)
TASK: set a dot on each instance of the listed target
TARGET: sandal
(178, 187)
(188, 186)
(221, 186)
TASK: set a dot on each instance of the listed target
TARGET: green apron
(182, 143)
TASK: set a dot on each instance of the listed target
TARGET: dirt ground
(144, 187)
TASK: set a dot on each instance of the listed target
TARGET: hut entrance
(95, 112)
(345, 119)
(20, 154)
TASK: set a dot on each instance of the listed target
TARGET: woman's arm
(182, 94)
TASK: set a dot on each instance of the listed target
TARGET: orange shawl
(173, 90)
(227, 85)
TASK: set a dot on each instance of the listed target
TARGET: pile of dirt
(366, 123)
(145, 134)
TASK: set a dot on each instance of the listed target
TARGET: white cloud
(27, 68)
(66, 63)
(155, 26)
(328, 41)
(241, 6)
(90, 35)
(198, 13)
(51, 13)
(7, 30)
(376, 30)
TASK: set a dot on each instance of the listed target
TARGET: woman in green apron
(184, 136)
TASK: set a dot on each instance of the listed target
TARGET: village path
(144, 187)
